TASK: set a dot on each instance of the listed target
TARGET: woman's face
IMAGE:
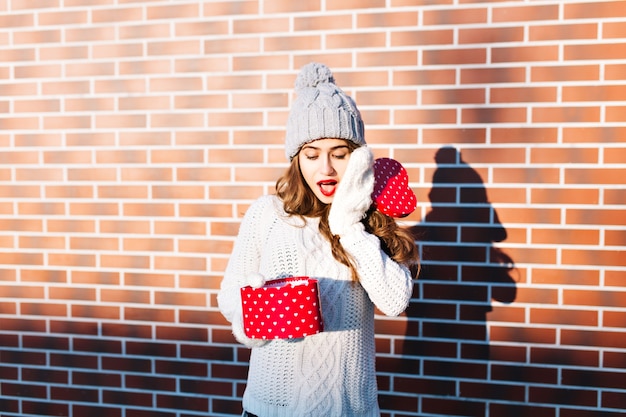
(322, 164)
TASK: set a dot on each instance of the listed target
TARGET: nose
(327, 166)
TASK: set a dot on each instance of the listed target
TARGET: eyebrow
(334, 148)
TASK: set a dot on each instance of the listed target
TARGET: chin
(325, 199)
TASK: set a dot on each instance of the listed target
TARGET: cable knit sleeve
(388, 284)
(244, 259)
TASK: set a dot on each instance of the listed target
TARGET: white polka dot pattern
(285, 308)
(392, 194)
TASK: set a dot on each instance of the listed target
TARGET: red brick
(125, 226)
(494, 115)
(143, 331)
(597, 217)
(615, 237)
(125, 296)
(85, 410)
(180, 263)
(525, 13)
(493, 391)
(614, 359)
(182, 333)
(613, 318)
(454, 406)
(37, 106)
(151, 349)
(96, 379)
(41, 309)
(202, 317)
(592, 378)
(524, 374)
(68, 360)
(568, 72)
(180, 228)
(564, 317)
(491, 35)
(614, 71)
(493, 75)
(180, 402)
(55, 408)
(118, 14)
(82, 34)
(607, 134)
(203, 101)
(549, 395)
(97, 345)
(151, 66)
(24, 390)
(185, 28)
(122, 192)
(594, 298)
(145, 31)
(278, 7)
(151, 245)
(564, 114)
(455, 56)
(365, 20)
(590, 10)
(615, 113)
(603, 93)
(131, 398)
(96, 277)
(522, 335)
(41, 374)
(522, 95)
(454, 96)
(149, 279)
(421, 37)
(565, 236)
(563, 32)
(604, 51)
(149, 314)
(72, 260)
(175, 11)
(613, 400)
(72, 293)
(525, 54)
(159, 383)
(425, 116)
(386, 59)
(99, 312)
(250, 45)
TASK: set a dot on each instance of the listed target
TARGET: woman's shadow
(462, 272)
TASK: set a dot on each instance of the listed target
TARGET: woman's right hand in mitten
(354, 193)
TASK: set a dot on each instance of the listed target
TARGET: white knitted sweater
(331, 374)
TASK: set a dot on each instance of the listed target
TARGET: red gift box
(286, 308)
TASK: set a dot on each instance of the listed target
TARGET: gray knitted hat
(321, 110)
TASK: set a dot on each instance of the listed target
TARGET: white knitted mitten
(354, 193)
(254, 280)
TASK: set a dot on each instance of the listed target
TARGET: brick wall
(134, 134)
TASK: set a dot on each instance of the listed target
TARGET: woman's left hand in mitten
(354, 193)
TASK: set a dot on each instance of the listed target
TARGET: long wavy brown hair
(299, 200)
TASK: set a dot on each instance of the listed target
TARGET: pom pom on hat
(392, 195)
(313, 74)
(321, 110)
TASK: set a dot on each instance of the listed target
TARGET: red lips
(327, 187)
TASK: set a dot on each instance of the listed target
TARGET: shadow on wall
(462, 272)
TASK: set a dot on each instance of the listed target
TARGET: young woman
(321, 223)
